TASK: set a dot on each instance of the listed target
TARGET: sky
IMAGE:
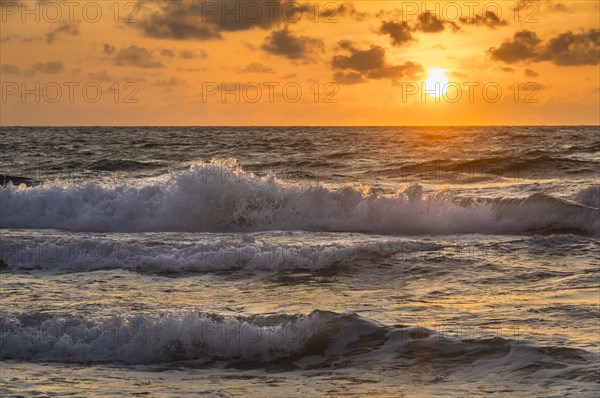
(299, 63)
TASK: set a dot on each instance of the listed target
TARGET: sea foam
(220, 196)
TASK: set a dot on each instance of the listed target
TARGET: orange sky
(284, 63)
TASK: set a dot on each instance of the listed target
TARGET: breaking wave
(220, 196)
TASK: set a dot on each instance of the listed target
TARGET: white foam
(314, 338)
(219, 196)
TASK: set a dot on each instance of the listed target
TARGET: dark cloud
(359, 60)
(360, 65)
(165, 52)
(137, 56)
(190, 54)
(255, 67)
(172, 82)
(524, 46)
(187, 54)
(398, 31)
(574, 49)
(490, 19)
(65, 28)
(284, 43)
(346, 9)
(205, 20)
(430, 23)
(566, 49)
(24, 39)
(108, 49)
(10, 69)
(349, 78)
(531, 73)
(45, 67)
(100, 76)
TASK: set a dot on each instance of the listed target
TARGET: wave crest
(220, 196)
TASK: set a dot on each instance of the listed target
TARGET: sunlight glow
(436, 83)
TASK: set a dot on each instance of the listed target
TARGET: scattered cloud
(206, 20)
(574, 49)
(24, 39)
(284, 43)
(45, 67)
(255, 67)
(359, 65)
(100, 76)
(566, 49)
(398, 31)
(531, 73)
(137, 56)
(65, 28)
(345, 9)
(430, 23)
(489, 19)
(525, 45)
(401, 32)
(191, 54)
(108, 49)
(165, 52)
(172, 82)
(10, 69)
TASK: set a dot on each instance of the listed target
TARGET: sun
(436, 83)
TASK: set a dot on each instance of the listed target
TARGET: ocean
(300, 261)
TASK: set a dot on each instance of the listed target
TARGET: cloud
(165, 52)
(100, 76)
(10, 69)
(345, 9)
(524, 46)
(284, 43)
(190, 54)
(66, 28)
(205, 20)
(430, 23)
(45, 67)
(172, 82)
(349, 78)
(137, 56)
(531, 73)
(360, 65)
(566, 49)
(398, 31)
(24, 39)
(108, 49)
(489, 19)
(255, 67)
(574, 49)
